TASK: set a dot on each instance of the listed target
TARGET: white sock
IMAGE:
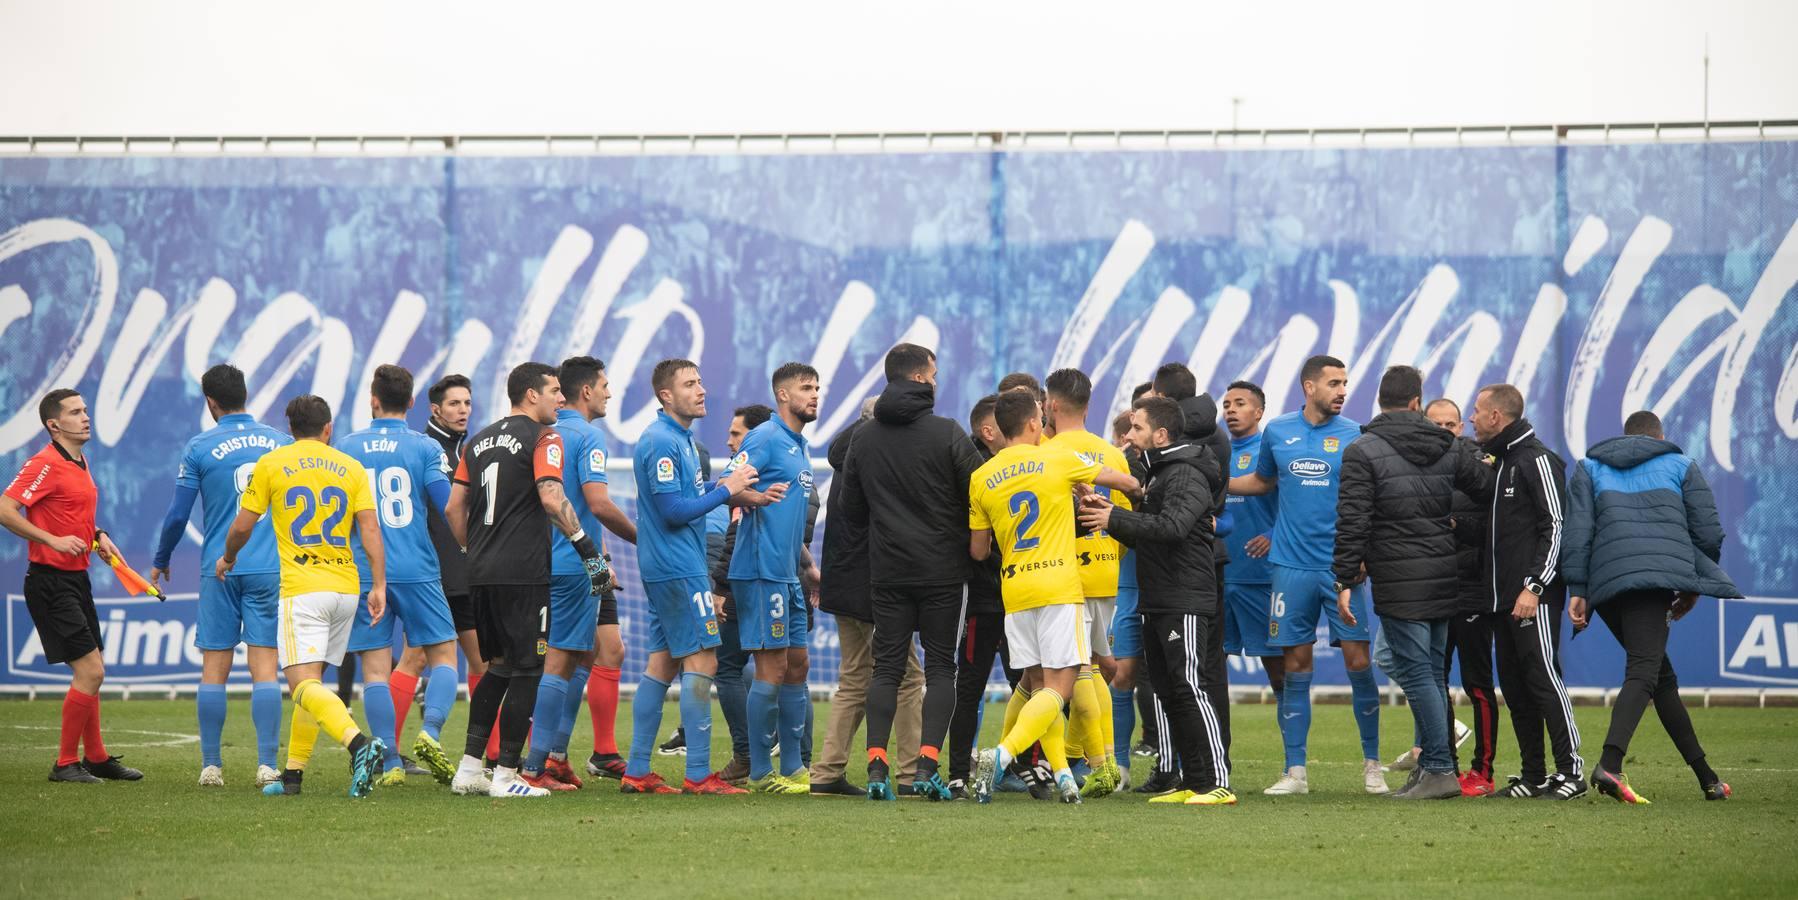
(469, 764)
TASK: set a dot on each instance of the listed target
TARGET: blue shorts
(771, 615)
(1245, 619)
(1300, 596)
(1126, 627)
(419, 604)
(239, 609)
(572, 611)
(681, 619)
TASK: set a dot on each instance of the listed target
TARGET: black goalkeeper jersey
(508, 531)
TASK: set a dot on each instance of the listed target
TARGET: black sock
(1611, 760)
(482, 708)
(1706, 775)
(878, 769)
(358, 742)
(515, 718)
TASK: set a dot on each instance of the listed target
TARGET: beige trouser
(856, 641)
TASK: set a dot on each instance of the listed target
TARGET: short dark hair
(1175, 381)
(1252, 388)
(790, 371)
(1141, 389)
(1643, 422)
(754, 414)
(1070, 386)
(223, 384)
(392, 388)
(1316, 365)
(1505, 398)
(1121, 424)
(982, 408)
(663, 377)
(577, 372)
(526, 377)
(1162, 412)
(1023, 380)
(1399, 386)
(51, 406)
(307, 415)
(441, 389)
(1013, 410)
(906, 360)
(1452, 404)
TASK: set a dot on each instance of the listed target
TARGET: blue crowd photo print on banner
(1599, 279)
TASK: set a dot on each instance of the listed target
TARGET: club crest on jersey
(778, 629)
(554, 455)
(542, 647)
(711, 627)
(1273, 629)
(596, 460)
(1242, 462)
(1331, 445)
(665, 469)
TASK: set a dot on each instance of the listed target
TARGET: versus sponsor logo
(1757, 640)
(1309, 467)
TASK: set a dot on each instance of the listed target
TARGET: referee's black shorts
(512, 622)
(61, 604)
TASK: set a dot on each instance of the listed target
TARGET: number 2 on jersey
(1023, 504)
(336, 503)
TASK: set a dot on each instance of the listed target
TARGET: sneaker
(1616, 786)
(958, 790)
(212, 776)
(1220, 797)
(931, 788)
(1143, 749)
(646, 784)
(1432, 786)
(471, 780)
(544, 781)
(267, 775)
(412, 768)
(676, 745)
(1410, 782)
(1373, 779)
(392, 777)
(1462, 733)
(986, 767)
(110, 769)
(1160, 783)
(1179, 796)
(1293, 782)
(1718, 791)
(1102, 782)
(1067, 787)
(287, 784)
(74, 773)
(711, 784)
(1473, 784)
(1517, 789)
(366, 763)
(838, 788)
(1560, 787)
(606, 765)
(1406, 762)
(560, 770)
(736, 771)
(430, 751)
(770, 783)
(510, 783)
(801, 779)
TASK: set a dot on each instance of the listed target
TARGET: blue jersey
(1303, 460)
(665, 462)
(402, 465)
(218, 463)
(1127, 570)
(1250, 517)
(583, 463)
(769, 538)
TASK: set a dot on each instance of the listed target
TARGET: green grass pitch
(167, 837)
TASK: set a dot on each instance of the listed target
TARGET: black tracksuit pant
(1470, 638)
(982, 640)
(1529, 672)
(934, 612)
(1174, 649)
(1638, 619)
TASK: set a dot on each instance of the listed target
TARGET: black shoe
(676, 745)
(958, 790)
(1160, 783)
(112, 770)
(73, 773)
(606, 765)
(1518, 789)
(838, 788)
(1561, 787)
(412, 768)
(1718, 791)
(1143, 749)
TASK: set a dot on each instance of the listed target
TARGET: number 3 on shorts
(777, 606)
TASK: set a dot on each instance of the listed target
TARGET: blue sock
(1295, 717)
(211, 701)
(1123, 724)
(546, 716)
(1367, 710)
(377, 706)
(646, 720)
(696, 718)
(440, 695)
(763, 720)
(571, 709)
(794, 701)
(265, 711)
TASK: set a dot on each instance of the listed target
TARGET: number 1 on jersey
(490, 483)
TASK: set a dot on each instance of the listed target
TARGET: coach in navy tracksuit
(1643, 542)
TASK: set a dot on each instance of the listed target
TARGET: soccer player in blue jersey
(771, 608)
(583, 628)
(406, 470)
(1248, 580)
(1301, 453)
(216, 467)
(673, 500)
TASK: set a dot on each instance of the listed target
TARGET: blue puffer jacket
(1640, 516)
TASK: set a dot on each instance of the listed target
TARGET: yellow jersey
(312, 492)
(1098, 552)
(1025, 496)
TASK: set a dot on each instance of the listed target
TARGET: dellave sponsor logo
(1757, 640)
(1309, 467)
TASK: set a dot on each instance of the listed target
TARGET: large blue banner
(1599, 279)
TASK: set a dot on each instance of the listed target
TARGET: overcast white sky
(208, 67)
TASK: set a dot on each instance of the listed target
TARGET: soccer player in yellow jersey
(1069, 391)
(315, 494)
(1023, 500)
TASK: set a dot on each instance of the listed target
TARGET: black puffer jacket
(1170, 533)
(907, 479)
(1393, 510)
(1470, 539)
(844, 568)
(1201, 428)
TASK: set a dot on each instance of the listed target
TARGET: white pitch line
(178, 736)
(1724, 771)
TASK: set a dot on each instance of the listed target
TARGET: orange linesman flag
(133, 583)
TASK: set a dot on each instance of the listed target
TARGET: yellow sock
(1014, 705)
(1107, 734)
(330, 712)
(1036, 718)
(1085, 732)
(1054, 745)
(301, 738)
